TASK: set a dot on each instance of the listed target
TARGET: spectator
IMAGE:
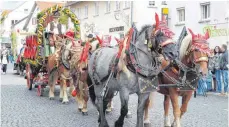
(224, 68)
(211, 72)
(4, 59)
(217, 69)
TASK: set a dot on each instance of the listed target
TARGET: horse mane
(143, 29)
(184, 45)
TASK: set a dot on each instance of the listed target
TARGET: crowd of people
(217, 78)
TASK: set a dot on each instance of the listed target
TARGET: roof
(44, 5)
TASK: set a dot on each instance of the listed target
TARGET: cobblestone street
(23, 108)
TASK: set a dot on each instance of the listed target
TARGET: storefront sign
(121, 28)
(216, 32)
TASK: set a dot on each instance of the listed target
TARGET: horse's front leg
(53, 77)
(185, 99)
(146, 110)
(176, 110)
(142, 99)
(85, 98)
(124, 97)
(166, 111)
(65, 94)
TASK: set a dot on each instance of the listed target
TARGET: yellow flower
(40, 21)
(60, 7)
(77, 22)
(73, 16)
(67, 11)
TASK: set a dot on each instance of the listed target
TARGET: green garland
(41, 17)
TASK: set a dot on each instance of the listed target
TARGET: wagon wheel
(28, 77)
(40, 90)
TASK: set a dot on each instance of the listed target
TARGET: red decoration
(199, 37)
(157, 20)
(120, 42)
(100, 40)
(74, 93)
(162, 25)
(84, 54)
(129, 38)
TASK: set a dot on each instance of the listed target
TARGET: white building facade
(199, 16)
(114, 17)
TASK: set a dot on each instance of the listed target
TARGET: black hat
(56, 14)
(90, 35)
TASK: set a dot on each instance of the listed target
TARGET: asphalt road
(23, 108)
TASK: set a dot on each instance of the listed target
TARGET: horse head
(159, 39)
(196, 51)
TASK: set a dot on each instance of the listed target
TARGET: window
(163, 3)
(78, 13)
(13, 22)
(205, 10)
(181, 14)
(96, 8)
(34, 21)
(127, 4)
(118, 5)
(86, 11)
(108, 6)
(151, 3)
(26, 11)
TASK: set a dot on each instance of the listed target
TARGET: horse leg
(61, 92)
(146, 110)
(100, 106)
(65, 95)
(53, 77)
(85, 98)
(109, 106)
(176, 111)
(166, 111)
(80, 96)
(124, 97)
(185, 99)
(71, 87)
(142, 99)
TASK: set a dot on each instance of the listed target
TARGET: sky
(10, 5)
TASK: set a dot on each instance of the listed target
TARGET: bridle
(202, 47)
(159, 45)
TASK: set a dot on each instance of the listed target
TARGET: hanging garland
(41, 17)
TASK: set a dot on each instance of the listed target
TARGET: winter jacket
(224, 61)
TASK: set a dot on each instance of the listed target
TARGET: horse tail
(91, 89)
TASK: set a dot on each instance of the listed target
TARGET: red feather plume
(157, 20)
(100, 40)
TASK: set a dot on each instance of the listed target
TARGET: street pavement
(23, 108)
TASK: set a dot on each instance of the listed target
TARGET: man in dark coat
(224, 67)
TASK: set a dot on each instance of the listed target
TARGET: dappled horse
(108, 71)
(194, 53)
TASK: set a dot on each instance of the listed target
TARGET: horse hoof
(147, 125)
(61, 99)
(51, 98)
(85, 113)
(65, 102)
(79, 109)
(108, 111)
(128, 116)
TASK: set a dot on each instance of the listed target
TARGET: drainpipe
(131, 12)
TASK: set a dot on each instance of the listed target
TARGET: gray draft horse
(127, 81)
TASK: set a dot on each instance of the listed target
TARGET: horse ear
(191, 33)
(207, 34)
(118, 41)
(100, 41)
(109, 39)
(156, 20)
